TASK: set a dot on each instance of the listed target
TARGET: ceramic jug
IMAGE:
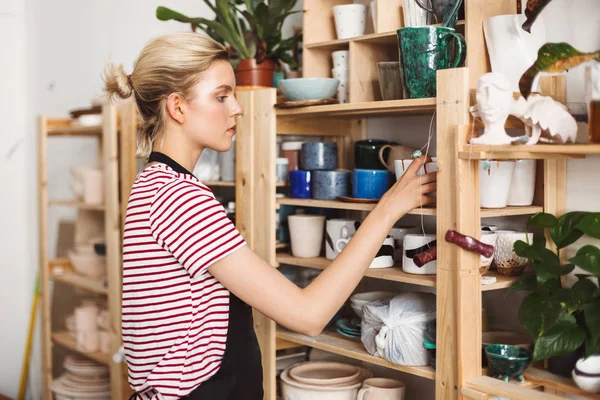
(445, 12)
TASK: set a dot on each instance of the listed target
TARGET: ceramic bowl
(319, 156)
(309, 88)
(586, 373)
(359, 300)
(504, 337)
(91, 265)
(508, 361)
(324, 373)
(294, 390)
(327, 185)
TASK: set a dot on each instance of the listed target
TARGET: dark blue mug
(300, 184)
(370, 183)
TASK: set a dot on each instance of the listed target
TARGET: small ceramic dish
(508, 361)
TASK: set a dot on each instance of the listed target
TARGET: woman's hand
(409, 192)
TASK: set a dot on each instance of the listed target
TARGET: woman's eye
(221, 98)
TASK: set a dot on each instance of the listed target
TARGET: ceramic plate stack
(348, 328)
(84, 380)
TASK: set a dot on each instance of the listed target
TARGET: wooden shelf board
(362, 109)
(389, 274)
(85, 131)
(518, 152)
(281, 344)
(341, 205)
(352, 348)
(558, 383)
(219, 183)
(65, 340)
(73, 279)
(502, 282)
(76, 204)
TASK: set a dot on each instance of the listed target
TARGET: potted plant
(561, 320)
(251, 29)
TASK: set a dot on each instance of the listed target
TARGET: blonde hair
(171, 63)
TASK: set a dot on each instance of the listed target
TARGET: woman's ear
(175, 107)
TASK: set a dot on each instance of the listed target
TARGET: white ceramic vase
(586, 373)
(507, 262)
(495, 178)
(522, 187)
(350, 20)
(306, 234)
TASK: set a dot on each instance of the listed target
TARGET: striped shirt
(175, 313)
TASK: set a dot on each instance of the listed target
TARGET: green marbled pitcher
(423, 51)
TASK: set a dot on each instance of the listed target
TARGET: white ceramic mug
(384, 257)
(382, 388)
(413, 245)
(341, 59)
(306, 234)
(401, 166)
(511, 49)
(335, 230)
(522, 187)
(495, 178)
(398, 235)
(350, 20)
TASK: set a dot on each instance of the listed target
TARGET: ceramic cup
(382, 388)
(522, 186)
(366, 153)
(586, 373)
(335, 230)
(327, 185)
(350, 20)
(415, 244)
(300, 184)
(306, 234)
(398, 235)
(384, 257)
(227, 164)
(388, 154)
(341, 59)
(401, 166)
(370, 183)
(319, 155)
(495, 178)
(490, 238)
(390, 80)
(343, 91)
(425, 50)
(506, 260)
(281, 169)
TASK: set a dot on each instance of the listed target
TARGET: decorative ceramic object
(309, 88)
(382, 388)
(511, 50)
(390, 80)
(545, 120)
(350, 20)
(413, 245)
(413, 14)
(335, 230)
(494, 103)
(306, 234)
(328, 185)
(487, 238)
(522, 187)
(507, 262)
(508, 361)
(443, 11)
(495, 178)
(587, 373)
(425, 50)
(319, 155)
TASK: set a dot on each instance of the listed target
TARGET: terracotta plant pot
(249, 73)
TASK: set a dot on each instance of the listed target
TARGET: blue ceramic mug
(370, 183)
(319, 155)
(300, 184)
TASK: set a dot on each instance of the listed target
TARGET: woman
(189, 281)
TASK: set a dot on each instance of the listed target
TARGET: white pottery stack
(83, 380)
(341, 71)
(89, 325)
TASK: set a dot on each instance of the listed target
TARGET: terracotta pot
(249, 73)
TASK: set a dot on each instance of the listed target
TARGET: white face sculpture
(494, 99)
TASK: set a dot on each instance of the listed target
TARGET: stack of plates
(84, 379)
(348, 328)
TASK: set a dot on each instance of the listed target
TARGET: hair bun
(117, 82)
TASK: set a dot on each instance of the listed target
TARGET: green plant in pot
(561, 320)
(252, 30)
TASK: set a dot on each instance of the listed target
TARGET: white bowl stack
(83, 380)
(341, 71)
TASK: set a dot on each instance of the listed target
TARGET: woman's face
(210, 117)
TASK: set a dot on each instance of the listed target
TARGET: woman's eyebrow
(226, 87)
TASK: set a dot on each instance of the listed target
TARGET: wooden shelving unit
(113, 129)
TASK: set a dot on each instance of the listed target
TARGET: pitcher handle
(381, 150)
(362, 392)
(429, 10)
(461, 51)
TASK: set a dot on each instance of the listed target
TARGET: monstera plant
(552, 57)
(560, 320)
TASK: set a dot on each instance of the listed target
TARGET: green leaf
(526, 283)
(532, 10)
(166, 14)
(545, 272)
(538, 314)
(592, 346)
(542, 220)
(563, 337)
(588, 258)
(590, 225)
(566, 233)
(591, 313)
(523, 249)
(554, 57)
(583, 292)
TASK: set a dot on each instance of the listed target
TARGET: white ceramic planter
(522, 188)
(412, 242)
(350, 20)
(512, 50)
(506, 260)
(306, 234)
(495, 178)
(587, 373)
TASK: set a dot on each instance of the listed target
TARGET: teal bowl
(298, 89)
(508, 361)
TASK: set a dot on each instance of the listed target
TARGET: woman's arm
(308, 310)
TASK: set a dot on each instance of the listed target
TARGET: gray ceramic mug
(328, 185)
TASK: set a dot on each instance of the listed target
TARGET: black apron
(240, 375)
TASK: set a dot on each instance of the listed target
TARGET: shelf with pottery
(394, 274)
(76, 204)
(82, 282)
(352, 348)
(65, 339)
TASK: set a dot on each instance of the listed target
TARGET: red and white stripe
(175, 314)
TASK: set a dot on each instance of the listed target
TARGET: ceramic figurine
(494, 103)
(545, 120)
